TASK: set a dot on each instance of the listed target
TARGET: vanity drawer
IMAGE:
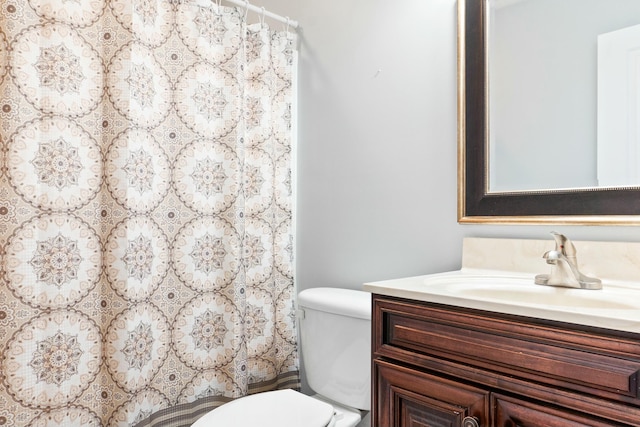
(584, 360)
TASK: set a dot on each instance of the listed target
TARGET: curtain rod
(260, 10)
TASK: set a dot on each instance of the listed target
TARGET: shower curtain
(145, 211)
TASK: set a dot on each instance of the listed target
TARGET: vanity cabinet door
(512, 412)
(405, 397)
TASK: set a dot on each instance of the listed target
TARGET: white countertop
(508, 286)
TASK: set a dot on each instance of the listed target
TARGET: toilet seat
(281, 408)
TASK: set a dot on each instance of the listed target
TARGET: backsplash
(605, 260)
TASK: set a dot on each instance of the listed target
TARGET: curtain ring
(263, 10)
(246, 10)
(218, 9)
(288, 22)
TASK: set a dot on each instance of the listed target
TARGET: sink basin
(521, 290)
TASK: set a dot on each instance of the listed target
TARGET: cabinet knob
(470, 422)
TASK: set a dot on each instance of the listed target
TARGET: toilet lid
(281, 408)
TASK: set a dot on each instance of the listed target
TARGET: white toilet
(335, 334)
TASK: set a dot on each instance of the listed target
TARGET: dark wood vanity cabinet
(437, 366)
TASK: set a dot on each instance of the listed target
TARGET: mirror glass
(564, 104)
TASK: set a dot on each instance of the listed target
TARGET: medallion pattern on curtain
(145, 211)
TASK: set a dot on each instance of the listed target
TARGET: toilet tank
(335, 340)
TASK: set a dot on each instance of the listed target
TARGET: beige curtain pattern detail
(145, 211)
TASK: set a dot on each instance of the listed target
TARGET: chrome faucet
(564, 270)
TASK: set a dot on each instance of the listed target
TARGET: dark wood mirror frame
(606, 206)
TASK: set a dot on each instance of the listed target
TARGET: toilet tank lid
(345, 302)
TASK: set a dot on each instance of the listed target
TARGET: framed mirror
(549, 113)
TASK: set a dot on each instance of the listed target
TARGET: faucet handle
(564, 245)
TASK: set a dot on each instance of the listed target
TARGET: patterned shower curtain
(145, 211)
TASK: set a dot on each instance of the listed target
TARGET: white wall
(377, 155)
(377, 139)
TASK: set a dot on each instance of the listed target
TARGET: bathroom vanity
(488, 347)
(437, 365)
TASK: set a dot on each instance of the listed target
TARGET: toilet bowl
(335, 341)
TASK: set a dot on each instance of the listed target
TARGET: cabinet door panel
(511, 412)
(405, 397)
(419, 411)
